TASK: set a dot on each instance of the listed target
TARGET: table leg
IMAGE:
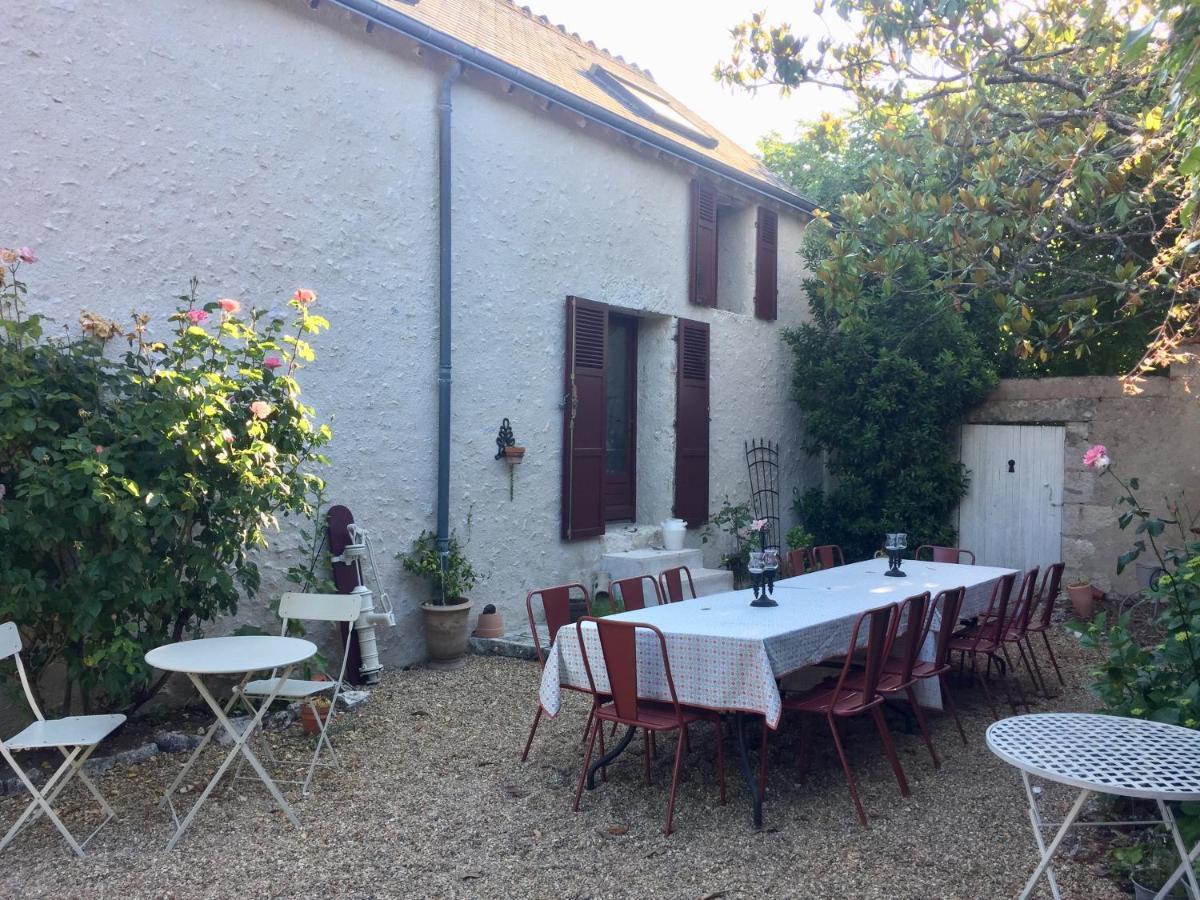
(1048, 852)
(212, 729)
(609, 757)
(1035, 819)
(239, 746)
(1185, 867)
(756, 800)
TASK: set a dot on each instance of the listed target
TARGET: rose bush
(135, 484)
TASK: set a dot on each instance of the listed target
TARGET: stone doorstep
(649, 561)
(178, 742)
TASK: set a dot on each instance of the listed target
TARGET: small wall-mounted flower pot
(514, 455)
(1083, 601)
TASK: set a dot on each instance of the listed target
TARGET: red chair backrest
(879, 627)
(949, 603)
(944, 554)
(618, 645)
(828, 556)
(556, 608)
(910, 616)
(1048, 592)
(632, 591)
(997, 611)
(797, 561)
(1025, 600)
(672, 584)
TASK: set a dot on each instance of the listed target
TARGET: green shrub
(883, 397)
(134, 485)
(450, 581)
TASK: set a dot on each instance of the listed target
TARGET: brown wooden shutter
(584, 419)
(691, 423)
(766, 265)
(702, 284)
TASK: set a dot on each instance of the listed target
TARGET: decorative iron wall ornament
(507, 450)
(762, 461)
(504, 438)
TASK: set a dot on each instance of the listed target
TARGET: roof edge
(377, 12)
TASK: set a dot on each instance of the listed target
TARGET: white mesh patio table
(726, 655)
(1102, 755)
(235, 655)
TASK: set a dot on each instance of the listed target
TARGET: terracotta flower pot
(1083, 601)
(310, 721)
(514, 455)
(490, 624)
(446, 633)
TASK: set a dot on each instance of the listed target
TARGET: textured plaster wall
(262, 146)
(1153, 436)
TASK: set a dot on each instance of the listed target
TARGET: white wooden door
(1012, 513)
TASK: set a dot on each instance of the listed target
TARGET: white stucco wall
(265, 146)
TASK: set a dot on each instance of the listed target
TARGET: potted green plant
(446, 614)
(1148, 864)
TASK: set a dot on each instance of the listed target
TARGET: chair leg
(1053, 661)
(532, 731)
(674, 785)
(721, 758)
(948, 700)
(587, 726)
(647, 737)
(1011, 672)
(920, 717)
(587, 758)
(802, 750)
(837, 743)
(1009, 683)
(1032, 667)
(889, 749)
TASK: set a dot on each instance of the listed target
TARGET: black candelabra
(764, 566)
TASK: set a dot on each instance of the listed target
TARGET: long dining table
(726, 655)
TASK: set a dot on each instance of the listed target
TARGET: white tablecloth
(726, 654)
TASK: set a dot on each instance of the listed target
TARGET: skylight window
(650, 105)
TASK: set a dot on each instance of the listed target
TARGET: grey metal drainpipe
(445, 308)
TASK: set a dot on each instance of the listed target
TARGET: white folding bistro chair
(75, 737)
(308, 608)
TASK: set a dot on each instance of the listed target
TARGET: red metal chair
(1039, 617)
(985, 638)
(618, 645)
(1015, 633)
(632, 591)
(798, 561)
(945, 609)
(900, 660)
(828, 556)
(671, 582)
(945, 554)
(851, 694)
(556, 608)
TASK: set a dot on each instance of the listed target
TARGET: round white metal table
(1101, 754)
(244, 654)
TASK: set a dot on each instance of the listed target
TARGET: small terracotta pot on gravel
(1083, 601)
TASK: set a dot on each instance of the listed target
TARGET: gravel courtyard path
(432, 801)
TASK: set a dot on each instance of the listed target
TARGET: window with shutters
(734, 253)
(691, 422)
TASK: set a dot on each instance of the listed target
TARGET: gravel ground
(432, 801)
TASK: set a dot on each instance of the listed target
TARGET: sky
(681, 40)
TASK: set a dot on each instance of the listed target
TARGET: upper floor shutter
(584, 419)
(766, 265)
(702, 282)
(691, 423)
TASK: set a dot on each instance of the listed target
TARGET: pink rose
(758, 524)
(229, 306)
(1096, 458)
(27, 255)
(260, 409)
(99, 449)
(272, 362)
(227, 436)
(304, 296)
(197, 316)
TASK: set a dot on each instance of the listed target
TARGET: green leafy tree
(134, 486)
(1021, 176)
